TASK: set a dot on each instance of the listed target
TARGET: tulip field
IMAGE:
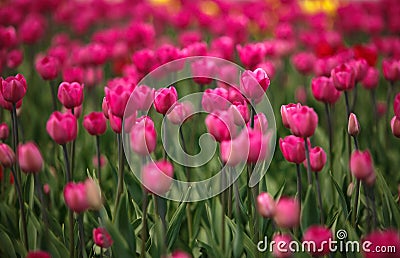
(209, 128)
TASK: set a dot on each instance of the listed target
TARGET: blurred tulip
(14, 58)
(95, 123)
(93, 194)
(4, 131)
(32, 29)
(395, 125)
(220, 125)
(265, 205)
(360, 67)
(62, 128)
(102, 238)
(323, 90)
(13, 88)
(353, 127)
(396, 105)
(143, 136)
(144, 97)
(75, 197)
(7, 155)
(391, 70)
(235, 151)
(380, 239)
(73, 74)
(30, 159)
(343, 77)
(215, 99)
(180, 112)
(287, 213)
(38, 254)
(254, 84)
(319, 235)
(180, 254)
(47, 67)
(203, 71)
(371, 79)
(157, 177)
(251, 55)
(361, 164)
(303, 62)
(282, 247)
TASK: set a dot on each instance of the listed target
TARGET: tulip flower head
(157, 176)
(95, 123)
(13, 88)
(75, 197)
(62, 128)
(292, 148)
(318, 235)
(266, 205)
(287, 213)
(361, 165)
(102, 238)
(30, 159)
(70, 94)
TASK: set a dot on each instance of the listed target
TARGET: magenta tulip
(254, 84)
(30, 159)
(317, 159)
(323, 90)
(70, 94)
(391, 70)
(396, 105)
(266, 205)
(115, 122)
(157, 177)
(287, 213)
(220, 125)
(302, 121)
(379, 240)
(292, 148)
(144, 97)
(4, 131)
(180, 112)
(143, 136)
(360, 67)
(320, 236)
(251, 55)
(371, 79)
(203, 71)
(95, 123)
(102, 238)
(235, 151)
(38, 254)
(13, 88)
(361, 164)
(215, 99)
(164, 99)
(14, 58)
(47, 67)
(343, 77)
(62, 128)
(258, 146)
(303, 62)
(117, 97)
(395, 125)
(240, 113)
(75, 197)
(7, 155)
(282, 249)
(285, 109)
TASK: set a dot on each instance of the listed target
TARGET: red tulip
(62, 128)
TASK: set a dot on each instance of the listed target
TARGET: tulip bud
(7, 155)
(157, 177)
(104, 107)
(215, 99)
(143, 136)
(46, 188)
(102, 238)
(30, 159)
(93, 194)
(281, 248)
(164, 99)
(284, 113)
(117, 98)
(266, 205)
(395, 125)
(115, 122)
(293, 149)
(302, 121)
(343, 77)
(287, 213)
(378, 239)
(353, 127)
(62, 128)
(75, 197)
(361, 165)
(319, 235)
(317, 159)
(180, 112)
(254, 84)
(70, 94)
(4, 131)
(47, 67)
(95, 123)
(13, 88)
(220, 125)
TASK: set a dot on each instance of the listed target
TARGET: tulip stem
(22, 209)
(319, 198)
(14, 119)
(160, 210)
(144, 223)
(72, 151)
(356, 200)
(346, 98)
(98, 159)
(375, 113)
(329, 119)
(299, 186)
(82, 236)
(53, 94)
(120, 187)
(309, 175)
(39, 190)
(70, 212)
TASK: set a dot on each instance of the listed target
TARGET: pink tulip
(75, 197)
(102, 238)
(13, 88)
(353, 127)
(235, 151)
(360, 67)
(4, 131)
(285, 109)
(240, 113)
(144, 97)
(317, 159)
(302, 121)
(104, 107)
(8, 105)
(180, 112)
(220, 125)
(380, 239)
(303, 62)
(251, 55)
(266, 205)
(361, 164)
(157, 177)
(115, 122)
(371, 79)
(260, 123)
(62, 128)
(47, 67)
(203, 71)
(215, 99)
(391, 70)
(7, 155)
(30, 159)
(258, 146)
(396, 105)
(323, 90)
(293, 149)
(32, 29)
(38, 254)
(234, 95)
(287, 213)
(300, 95)
(381, 108)
(8, 37)
(281, 249)
(395, 125)
(73, 74)
(180, 254)
(223, 47)
(95, 123)
(254, 84)
(164, 99)
(320, 236)
(145, 60)
(323, 66)
(343, 77)
(143, 136)
(70, 94)
(103, 161)
(14, 58)
(117, 98)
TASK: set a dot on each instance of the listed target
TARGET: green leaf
(6, 246)
(123, 224)
(120, 247)
(342, 197)
(309, 214)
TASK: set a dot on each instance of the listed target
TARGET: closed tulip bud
(282, 249)
(251, 54)
(317, 159)
(4, 131)
(70, 94)
(30, 159)
(62, 128)
(117, 98)
(215, 99)
(47, 67)
(115, 122)
(46, 188)
(236, 150)
(145, 60)
(323, 90)
(265, 205)
(378, 239)
(144, 97)
(284, 113)
(73, 74)
(287, 213)
(353, 127)
(293, 149)
(180, 254)
(254, 84)
(95, 123)
(240, 113)
(220, 125)
(260, 123)
(302, 121)
(7, 155)
(180, 112)
(391, 70)
(343, 77)
(93, 194)
(13, 88)
(38, 254)
(203, 71)
(319, 235)
(157, 177)
(143, 136)
(361, 165)
(395, 125)
(396, 105)
(75, 197)
(104, 107)
(164, 99)
(371, 79)
(258, 146)
(102, 238)
(360, 67)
